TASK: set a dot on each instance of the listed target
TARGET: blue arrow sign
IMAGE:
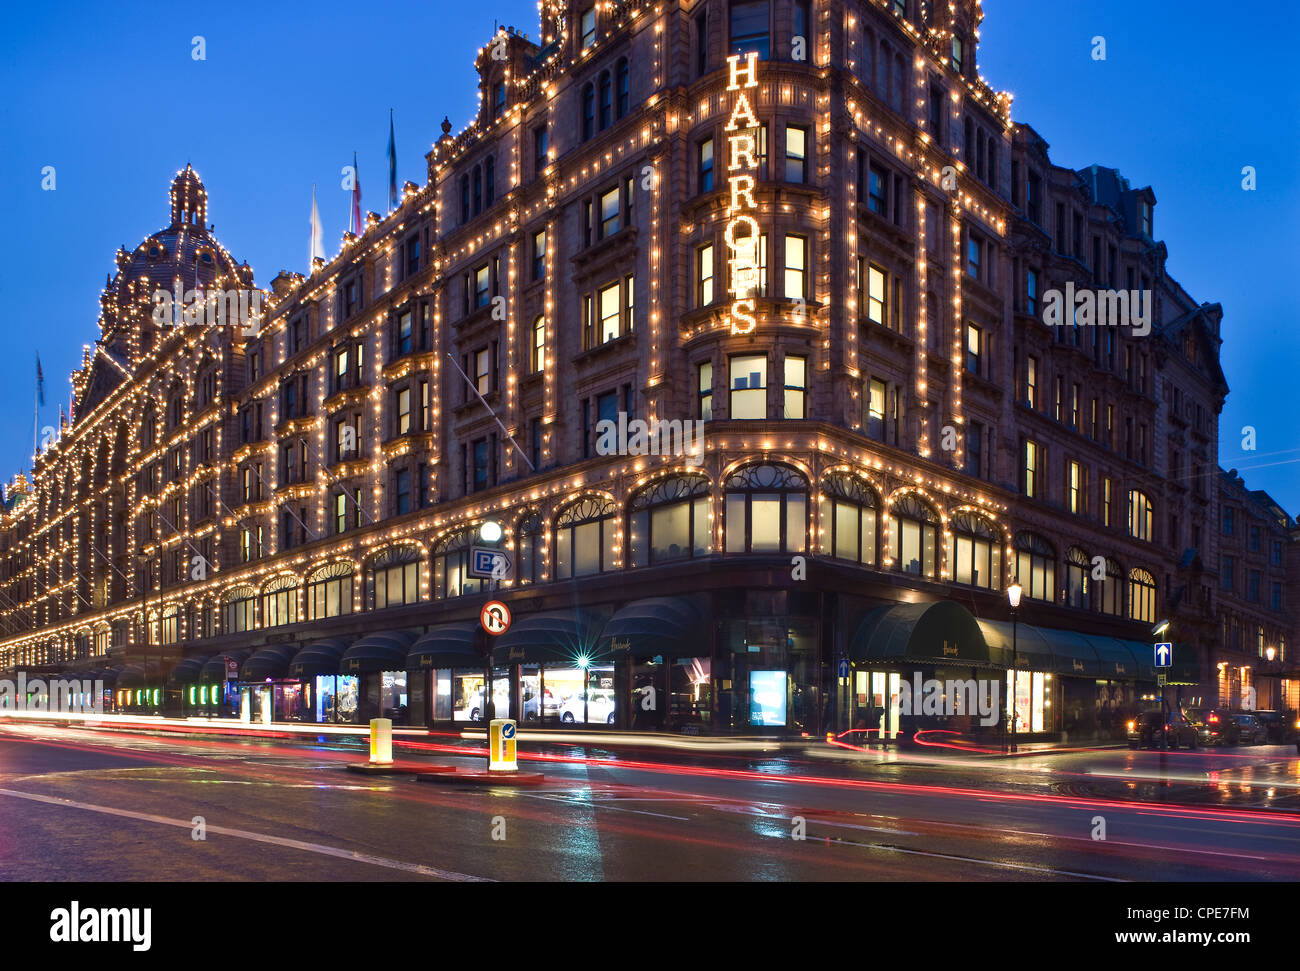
(1164, 655)
(844, 667)
(507, 731)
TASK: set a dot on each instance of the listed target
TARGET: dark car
(1153, 729)
(1214, 726)
(1253, 731)
(1281, 725)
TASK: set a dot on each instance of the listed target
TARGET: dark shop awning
(449, 646)
(318, 658)
(654, 626)
(187, 671)
(215, 669)
(559, 636)
(1045, 649)
(943, 632)
(132, 676)
(268, 662)
(377, 652)
(1115, 659)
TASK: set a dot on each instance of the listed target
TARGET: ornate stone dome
(184, 255)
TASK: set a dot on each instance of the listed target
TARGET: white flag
(317, 233)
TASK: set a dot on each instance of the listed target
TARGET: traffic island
(397, 768)
(474, 777)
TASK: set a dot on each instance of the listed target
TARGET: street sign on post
(844, 667)
(1164, 655)
(501, 746)
(487, 563)
(1162, 679)
(495, 617)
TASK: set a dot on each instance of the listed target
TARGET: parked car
(1214, 726)
(1281, 726)
(600, 707)
(1153, 729)
(501, 699)
(1253, 731)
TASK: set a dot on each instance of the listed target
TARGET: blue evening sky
(109, 95)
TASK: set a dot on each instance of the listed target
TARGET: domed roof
(184, 254)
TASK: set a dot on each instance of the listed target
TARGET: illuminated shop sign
(742, 163)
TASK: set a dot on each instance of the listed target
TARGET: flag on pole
(392, 163)
(40, 381)
(317, 247)
(354, 220)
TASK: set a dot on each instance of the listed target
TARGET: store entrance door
(875, 704)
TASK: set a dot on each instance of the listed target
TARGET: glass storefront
(336, 698)
(875, 704)
(1033, 705)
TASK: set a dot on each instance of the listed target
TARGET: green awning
(1045, 649)
(943, 632)
(657, 625)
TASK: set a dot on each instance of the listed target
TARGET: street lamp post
(1013, 598)
(143, 559)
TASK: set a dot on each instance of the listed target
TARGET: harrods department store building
(279, 523)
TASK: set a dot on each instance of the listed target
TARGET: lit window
(796, 154)
(796, 262)
(796, 385)
(539, 344)
(609, 308)
(609, 213)
(704, 275)
(588, 27)
(749, 387)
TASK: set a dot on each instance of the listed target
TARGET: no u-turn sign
(495, 617)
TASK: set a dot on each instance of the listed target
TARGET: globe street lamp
(1013, 598)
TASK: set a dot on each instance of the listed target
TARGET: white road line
(597, 805)
(970, 859)
(323, 850)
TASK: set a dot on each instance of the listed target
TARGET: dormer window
(498, 99)
(1144, 218)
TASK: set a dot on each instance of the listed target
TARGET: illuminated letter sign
(742, 235)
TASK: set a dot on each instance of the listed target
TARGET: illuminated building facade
(842, 277)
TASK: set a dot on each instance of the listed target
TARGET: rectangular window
(877, 190)
(609, 312)
(404, 411)
(539, 255)
(539, 345)
(876, 410)
(1228, 572)
(1076, 396)
(796, 154)
(749, 28)
(705, 391)
(796, 263)
(482, 286)
(402, 492)
(974, 450)
(480, 480)
(1107, 495)
(973, 257)
(1031, 292)
(1076, 488)
(1031, 382)
(540, 152)
(876, 292)
(404, 334)
(974, 348)
(483, 370)
(705, 169)
(588, 27)
(1032, 484)
(704, 275)
(796, 382)
(609, 213)
(749, 387)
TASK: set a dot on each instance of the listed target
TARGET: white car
(600, 707)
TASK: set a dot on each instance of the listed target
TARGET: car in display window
(1151, 729)
(501, 699)
(600, 707)
(1214, 726)
(1252, 730)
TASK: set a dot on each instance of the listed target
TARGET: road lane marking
(319, 848)
(591, 804)
(970, 859)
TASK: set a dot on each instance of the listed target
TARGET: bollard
(381, 741)
(501, 746)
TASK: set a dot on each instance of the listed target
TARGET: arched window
(528, 548)
(395, 578)
(1078, 568)
(850, 515)
(451, 566)
(584, 538)
(621, 88)
(977, 551)
(913, 536)
(669, 521)
(1139, 515)
(237, 609)
(588, 111)
(1141, 596)
(1036, 566)
(767, 510)
(280, 602)
(329, 591)
(1109, 593)
(606, 101)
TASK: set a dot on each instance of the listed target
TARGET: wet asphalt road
(77, 804)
